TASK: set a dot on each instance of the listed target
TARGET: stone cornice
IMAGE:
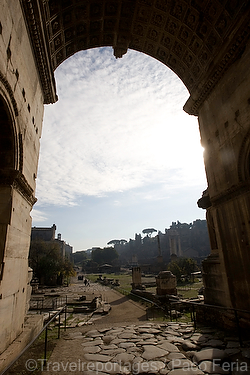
(230, 194)
(33, 16)
(17, 180)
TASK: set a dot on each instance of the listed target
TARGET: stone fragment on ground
(181, 363)
(184, 371)
(189, 345)
(152, 352)
(211, 367)
(209, 354)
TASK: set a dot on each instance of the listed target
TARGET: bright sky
(118, 153)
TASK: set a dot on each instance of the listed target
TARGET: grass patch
(184, 289)
(189, 290)
(125, 279)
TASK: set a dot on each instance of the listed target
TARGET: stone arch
(7, 139)
(9, 158)
(11, 139)
(198, 40)
(206, 43)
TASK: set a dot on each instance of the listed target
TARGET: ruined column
(136, 278)
(166, 283)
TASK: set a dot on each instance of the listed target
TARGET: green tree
(149, 231)
(182, 266)
(46, 261)
(114, 242)
(106, 255)
(175, 269)
(188, 266)
(79, 257)
(67, 270)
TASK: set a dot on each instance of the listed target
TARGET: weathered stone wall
(224, 124)
(21, 93)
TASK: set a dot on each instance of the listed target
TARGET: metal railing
(139, 297)
(237, 313)
(194, 306)
(63, 310)
(41, 303)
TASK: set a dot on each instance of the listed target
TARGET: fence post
(194, 317)
(65, 316)
(59, 325)
(45, 345)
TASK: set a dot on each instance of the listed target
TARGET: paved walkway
(148, 348)
(123, 342)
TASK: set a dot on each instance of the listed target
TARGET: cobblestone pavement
(123, 342)
(148, 348)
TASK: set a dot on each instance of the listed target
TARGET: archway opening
(118, 152)
(7, 167)
(7, 143)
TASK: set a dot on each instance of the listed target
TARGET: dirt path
(122, 308)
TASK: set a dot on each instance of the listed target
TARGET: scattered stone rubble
(164, 348)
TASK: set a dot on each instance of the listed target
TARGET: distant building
(68, 250)
(189, 240)
(48, 235)
(44, 234)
